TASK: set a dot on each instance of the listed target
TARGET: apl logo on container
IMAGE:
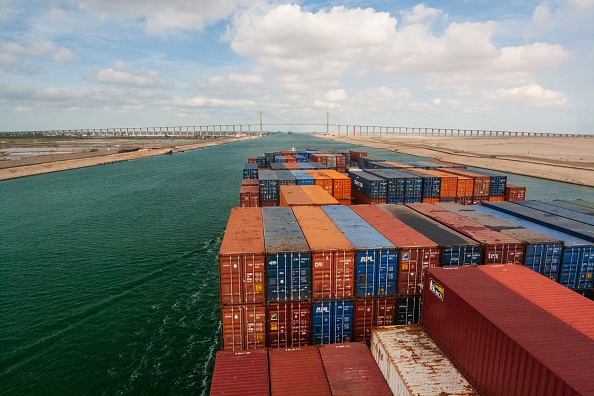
(322, 309)
(367, 259)
(436, 289)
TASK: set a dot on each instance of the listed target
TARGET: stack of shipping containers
(288, 276)
(415, 254)
(367, 188)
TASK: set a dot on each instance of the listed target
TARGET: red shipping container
(352, 370)
(355, 155)
(292, 166)
(244, 326)
(561, 302)
(321, 158)
(333, 256)
(372, 312)
(515, 193)
(464, 200)
(297, 371)
(344, 201)
(249, 182)
(242, 258)
(362, 199)
(288, 324)
(503, 343)
(478, 200)
(290, 158)
(265, 204)
(249, 196)
(244, 373)
(252, 160)
(416, 251)
(481, 182)
(498, 248)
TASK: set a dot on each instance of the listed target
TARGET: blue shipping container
(396, 186)
(577, 264)
(280, 159)
(332, 322)
(376, 256)
(408, 310)
(261, 162)
(370, 185)
(288, 259)
(268, 185)
(250, 171)
(303, 178)
(497, 182)
(431, 184)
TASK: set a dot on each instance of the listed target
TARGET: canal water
(108, 274)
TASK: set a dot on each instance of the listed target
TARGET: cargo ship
(423, 265)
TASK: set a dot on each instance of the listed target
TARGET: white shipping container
(413, 364)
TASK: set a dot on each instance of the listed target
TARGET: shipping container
(249, 196)
(250, 171)
(242, 258)
(297, 371)
(288, 259)
(360, 198)
(408, 310)
(280, 159)
(413, 364)
(300, 158)
(321, 179)
(243, 326)
(456, 249)
(294, 196)
(416, 252)
(400, 183)
(557, 211)
(543, 253)
(319, 196)
(266, 204)
(567, 306)
(431, 183)
(582, 202)
(351, 370)
(317, 165)
(370, 185)
(372, 312)
(448, 182)
(498, 248)
(341, 188)
(568, 226)
(305, 165)
(288, 324)
(465, 187)
(503, 343)
(261, 162)
(515, 193)
(277, 166)
(292, 166)
(498, 182)
(400, 166)
(577, 262)
(481, 184)
(333, 256)
(244, 373)
(365, 161)
(250, 182)
(332, 321)
(376, 258)
(355, 155)
(302, 178)
(572, 206)
(285, 178)
(268, 184)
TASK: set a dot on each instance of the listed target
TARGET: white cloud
(246, 78)
(420, 13)
(15, 57)
(205, 102)
(532, 95)
(123, 74)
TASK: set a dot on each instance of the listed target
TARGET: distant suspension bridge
(221, 130)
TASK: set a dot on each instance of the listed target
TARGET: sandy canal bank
(569, 160)
(69, 155)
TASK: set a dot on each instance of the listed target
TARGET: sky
(514, 65)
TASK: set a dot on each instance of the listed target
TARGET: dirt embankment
(566, 159)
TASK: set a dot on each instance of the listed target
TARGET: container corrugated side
(503, 343)
(416, 252)
(577, 262)
(351, 370)
(268, 184)
(302, 177)
(341, 184)
(376, 258)
(242, 258)
(481, 185)
(294, 196)
(456, 249)
(408, 310)
(431, 183)
(568, 226)
(333, 256)
(244, 373)
(497, 247)
(321, 179)
(249, 196)
(413, 364)
(297, 371)
(565, 305)
(515, 193)
(288, 324)
(372, 312)
(332, 321)
(369, 184)
(243, 326)
(288, 259)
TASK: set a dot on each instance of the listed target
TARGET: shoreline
(568, 160)
(18, 171)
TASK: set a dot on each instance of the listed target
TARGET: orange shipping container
(319, 196)
(244, 327)
(252, 160)
(242, 258)
(449, 182)
(290, 158)
(344, 201)
(322, 179)
(294, 196)
(291, 166)
(430, 200)
(465, 187)
(333, 256)
(496, 199)
(401, 166)
(341, 188)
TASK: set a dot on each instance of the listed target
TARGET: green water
(108, 274)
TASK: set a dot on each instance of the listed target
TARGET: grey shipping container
(268, 185)
(563, 212)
